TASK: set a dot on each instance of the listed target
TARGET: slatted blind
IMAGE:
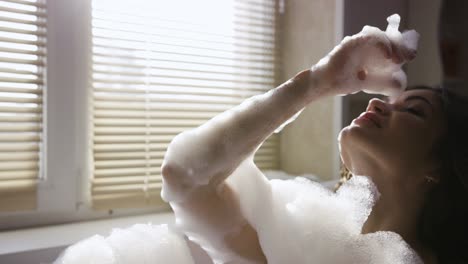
(22, 64)
(161, 67)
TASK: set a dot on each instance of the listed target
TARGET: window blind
(22, 64)
(162, 67)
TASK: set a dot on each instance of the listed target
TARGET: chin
(349, 135)
(355, 141)
(359, 136)
(344, 139)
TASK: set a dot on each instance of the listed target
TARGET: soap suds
(404, 43)
(301, 221)
(141, 243)
(297, 221)
(375, 64)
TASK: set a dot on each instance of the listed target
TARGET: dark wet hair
(444, 221)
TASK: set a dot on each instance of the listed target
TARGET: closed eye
(420, 99)
(415, 111)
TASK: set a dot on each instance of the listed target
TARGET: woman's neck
(398, 210)
(394, 213)
(401, 200)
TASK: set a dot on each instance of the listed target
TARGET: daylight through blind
(22, 65)
(159, 69)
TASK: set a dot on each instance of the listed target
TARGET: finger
(408, 54)
(386, 49)
(383, 43)
(406, 49)
(397, 56)
(377, 37)
(399, 78)
(404, 53)
(380, 82)
(366, 30)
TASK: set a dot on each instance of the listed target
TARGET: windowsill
(38, 238)
(63, 235)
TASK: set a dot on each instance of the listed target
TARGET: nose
(378, 106)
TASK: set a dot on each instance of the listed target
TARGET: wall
(423, 16)
(33, 256)
(310, 29)
(372, 12)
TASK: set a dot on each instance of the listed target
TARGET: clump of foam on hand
(407, 39)
(371, 60)
(404, 44)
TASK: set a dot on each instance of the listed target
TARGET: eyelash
(415, 111)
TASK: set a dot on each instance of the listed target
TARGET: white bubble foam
(392, 29)
(142, 243)
(403, 44)
(297, 221)
(300, 221)
(383, 75)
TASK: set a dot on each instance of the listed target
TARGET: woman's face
(399, 135)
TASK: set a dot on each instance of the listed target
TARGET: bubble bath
(300, 221)
(297, 220)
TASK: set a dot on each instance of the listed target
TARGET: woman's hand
(370, 61)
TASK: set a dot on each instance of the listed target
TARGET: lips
(374, 118)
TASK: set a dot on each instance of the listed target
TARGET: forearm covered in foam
(209, 153)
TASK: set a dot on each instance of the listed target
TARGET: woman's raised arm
(198, 161)
(211, 152)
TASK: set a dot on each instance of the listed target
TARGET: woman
(418, 153)
(413, 147)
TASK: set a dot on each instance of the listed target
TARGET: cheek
(410, 138)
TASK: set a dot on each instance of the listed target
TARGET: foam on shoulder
(303, 222)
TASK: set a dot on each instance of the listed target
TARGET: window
(123, 78)
(159, 69)
(22, 67)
